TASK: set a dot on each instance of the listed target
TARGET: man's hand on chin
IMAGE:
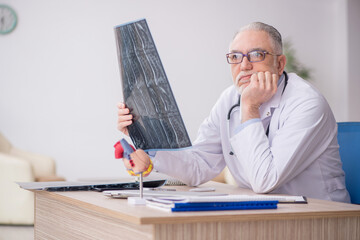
(262, 87)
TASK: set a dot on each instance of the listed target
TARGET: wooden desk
(90, 215)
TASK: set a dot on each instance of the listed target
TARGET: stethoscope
(238, 105)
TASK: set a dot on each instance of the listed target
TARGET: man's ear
(281, 64)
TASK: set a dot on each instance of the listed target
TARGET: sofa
(17, 165)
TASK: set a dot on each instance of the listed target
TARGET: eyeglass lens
(254, 56)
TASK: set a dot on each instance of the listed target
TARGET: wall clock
(8, 19)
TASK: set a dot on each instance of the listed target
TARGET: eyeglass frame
(247, 56)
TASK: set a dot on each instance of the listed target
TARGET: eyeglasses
(253, 56)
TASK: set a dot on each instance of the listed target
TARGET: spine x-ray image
(157, 123)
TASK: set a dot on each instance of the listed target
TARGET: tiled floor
(11, 232)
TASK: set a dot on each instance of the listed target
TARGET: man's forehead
(251, 40)
(251, 32)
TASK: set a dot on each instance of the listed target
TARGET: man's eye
(256, 54)
(236, 56)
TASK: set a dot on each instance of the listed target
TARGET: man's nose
(245, 64)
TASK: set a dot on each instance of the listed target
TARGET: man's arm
(205, 160)
(197, 165)
(306, 128)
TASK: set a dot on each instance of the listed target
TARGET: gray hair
(274, 34)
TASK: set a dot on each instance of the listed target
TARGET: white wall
(60, 82)
(353, 20)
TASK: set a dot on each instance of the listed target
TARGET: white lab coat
(299, 157)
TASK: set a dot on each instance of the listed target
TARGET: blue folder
(221, 206)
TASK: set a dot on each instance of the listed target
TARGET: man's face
(248, 41)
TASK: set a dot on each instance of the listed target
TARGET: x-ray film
(157, 123)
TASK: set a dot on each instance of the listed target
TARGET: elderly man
(274, 131)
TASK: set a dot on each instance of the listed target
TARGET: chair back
(349, 142)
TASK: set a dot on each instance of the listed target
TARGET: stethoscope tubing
(238, 105)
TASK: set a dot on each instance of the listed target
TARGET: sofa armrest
(42, 165)
(16, 204)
